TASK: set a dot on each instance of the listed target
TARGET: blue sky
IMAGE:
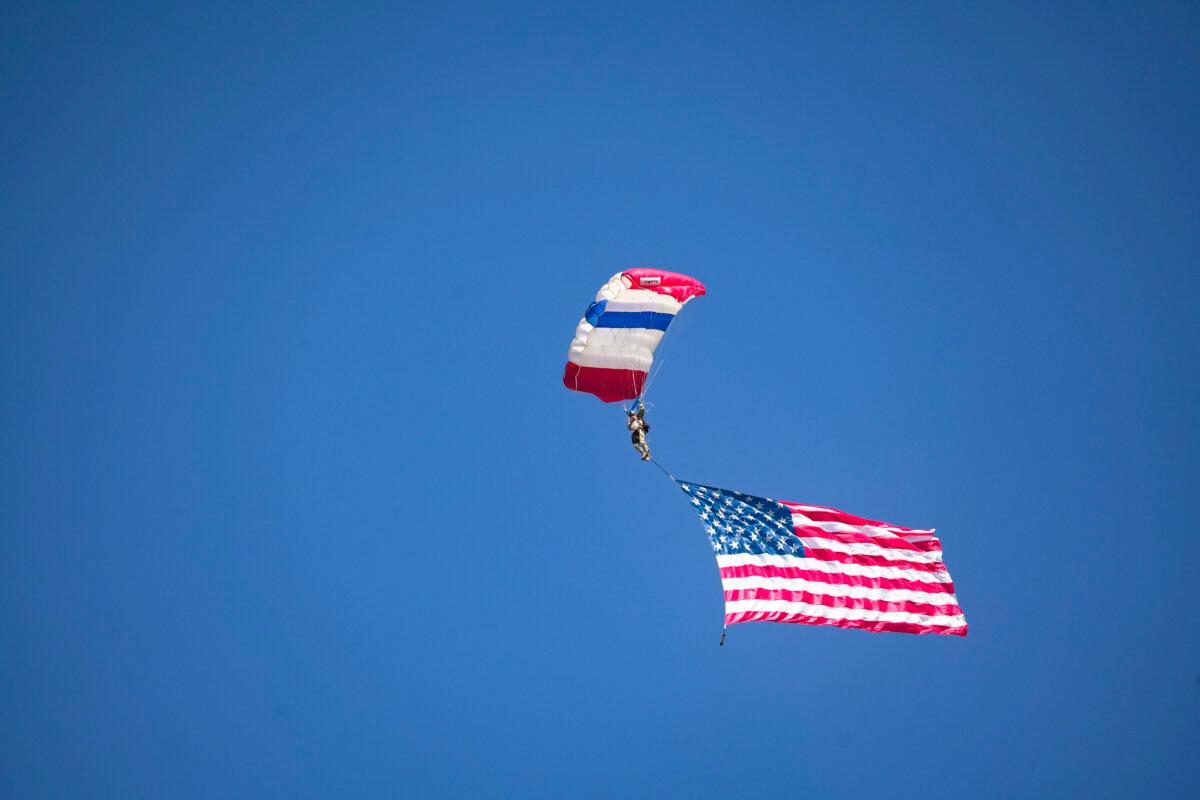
(295, 505)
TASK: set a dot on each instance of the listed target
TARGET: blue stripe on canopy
(633, 319)
(594, 311)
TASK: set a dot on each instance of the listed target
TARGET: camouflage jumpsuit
(639, 428)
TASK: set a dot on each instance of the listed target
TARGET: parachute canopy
(615, 341)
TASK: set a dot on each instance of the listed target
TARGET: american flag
(789, 562)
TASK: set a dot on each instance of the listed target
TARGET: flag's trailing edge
(789, 562)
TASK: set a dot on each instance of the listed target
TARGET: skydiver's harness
(638, 428)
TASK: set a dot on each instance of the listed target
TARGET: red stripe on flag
(833, 515)
(871, 561)
(866, 625)
(835, 601)
(862, 538)
(836, 578)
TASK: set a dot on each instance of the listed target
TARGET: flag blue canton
(743, 523)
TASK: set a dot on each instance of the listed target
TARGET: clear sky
(293, 503)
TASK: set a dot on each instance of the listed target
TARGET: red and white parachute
(615, 341)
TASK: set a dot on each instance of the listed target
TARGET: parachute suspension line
(654, 461)
(659, 357)
(633, 352)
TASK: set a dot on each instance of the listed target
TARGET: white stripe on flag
(861, 614)
(834, 568)
(932, 557)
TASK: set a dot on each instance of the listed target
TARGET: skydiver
(639, 428)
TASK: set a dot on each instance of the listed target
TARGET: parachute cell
(615, 341)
